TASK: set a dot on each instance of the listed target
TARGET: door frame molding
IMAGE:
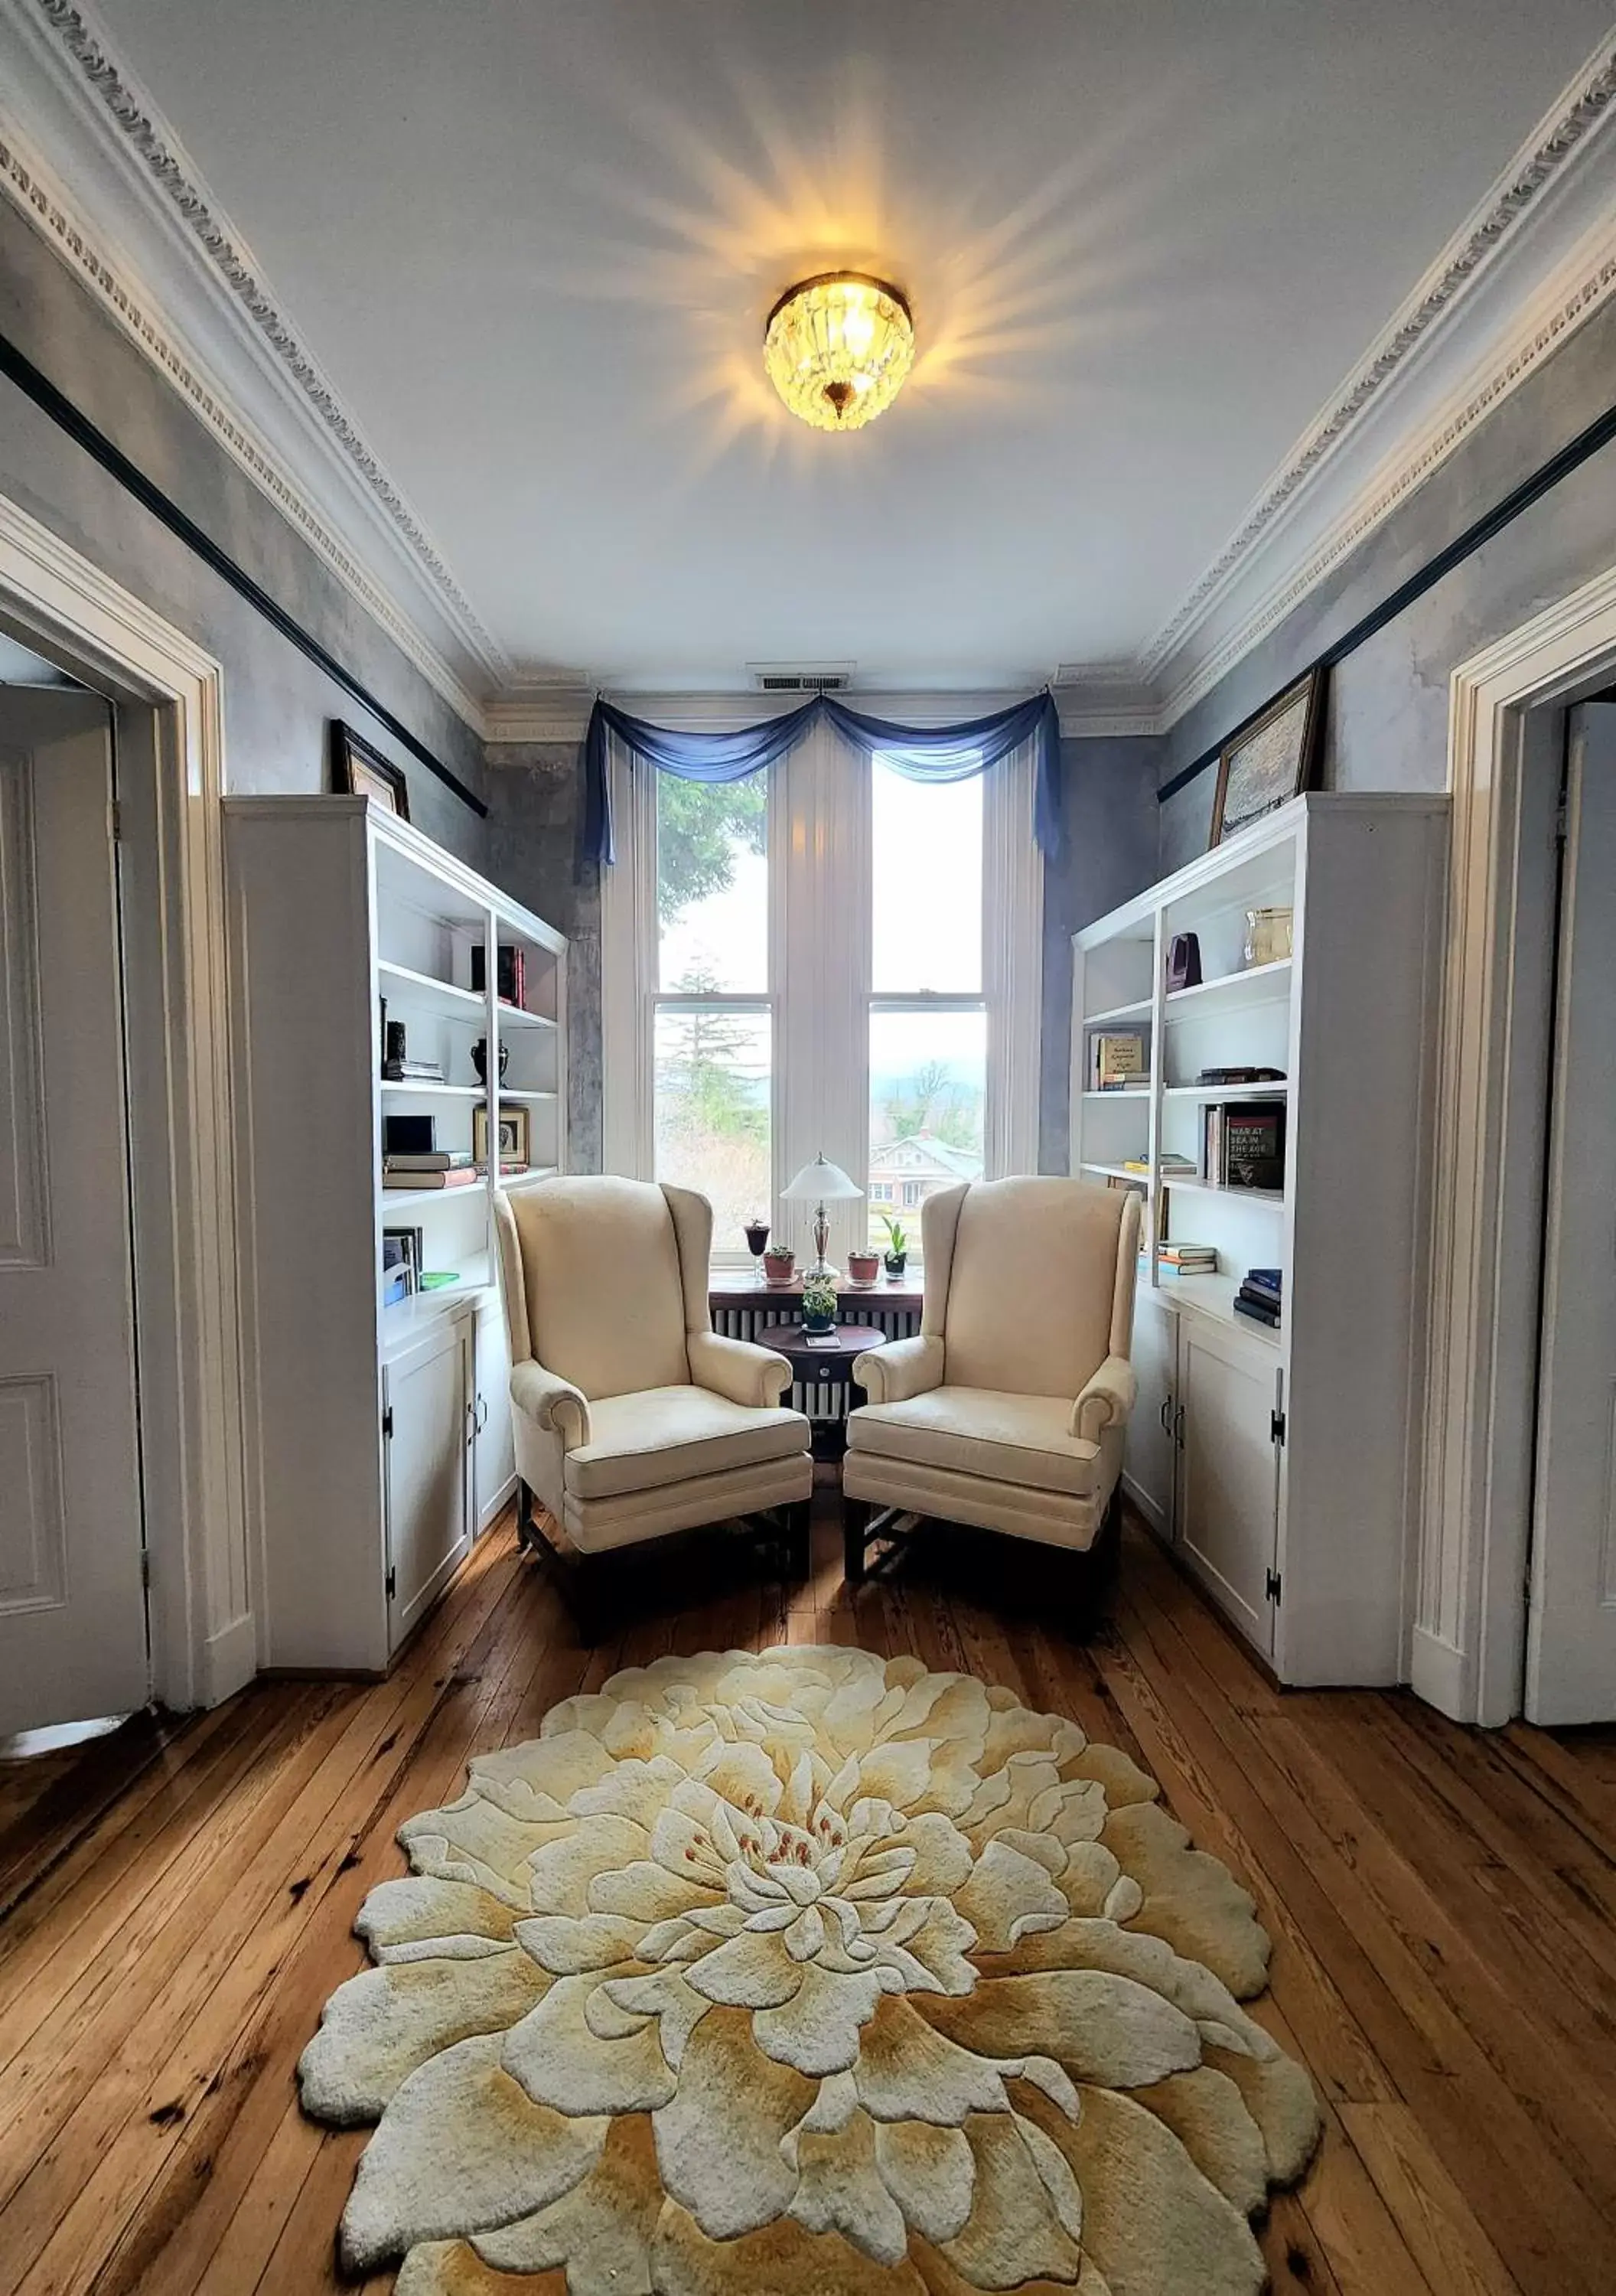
(1505, 718)
(204, 1637)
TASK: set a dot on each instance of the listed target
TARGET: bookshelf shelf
(421, 990)
(1222, 1091)
(1190, 1183)
(1232, 992)
(1281, 1458)
(425, 1087)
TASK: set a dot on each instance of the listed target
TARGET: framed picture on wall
(359, 771)
(1269, 761)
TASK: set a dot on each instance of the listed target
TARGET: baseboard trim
(230, 1660)
(1440, 1674)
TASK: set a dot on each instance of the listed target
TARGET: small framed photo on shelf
(359, 771)
(1269, 761)
(514, 1136)
(400, 1258)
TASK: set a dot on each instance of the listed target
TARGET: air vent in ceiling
(800, 677)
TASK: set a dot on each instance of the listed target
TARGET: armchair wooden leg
(526, 1533)
(855, 1519)
(800, 1541)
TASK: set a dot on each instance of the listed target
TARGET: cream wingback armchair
(633, 1418)
(1008, 1408)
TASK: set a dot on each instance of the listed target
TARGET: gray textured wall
(535, 823)
(1108, 800)
(277, 704)
(1387, 725)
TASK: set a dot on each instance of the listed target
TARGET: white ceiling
(532, 243)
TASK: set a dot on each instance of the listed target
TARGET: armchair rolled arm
(737, 1369)
(906, 1368)
(554, 1404)
(1106, 1400)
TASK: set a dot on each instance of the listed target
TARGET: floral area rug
(816, 1974)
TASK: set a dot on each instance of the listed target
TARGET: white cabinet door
(72, 1611)
(1149, 1456)
(427, 1401)
(1229, 1472)
(495, 1440)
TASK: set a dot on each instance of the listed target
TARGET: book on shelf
(1201, 1259)
(1242, 1145)
(412, 1072)
(1257, 1311)
(1116, 1060)
(465, 1176)
(1240, 1075)
(425, 1160)
(511, 974)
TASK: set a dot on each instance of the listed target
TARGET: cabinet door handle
(1165, 1414)
(482, 1413)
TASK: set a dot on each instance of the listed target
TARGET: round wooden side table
(813, 1362)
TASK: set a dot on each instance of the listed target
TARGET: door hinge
(1271, 1587)
(386, 1425)
(1275, 1426)
(145, 1568)
(115, 821)
(392, 1584)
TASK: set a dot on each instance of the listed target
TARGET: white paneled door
(72, 1608)
(1571, 1659)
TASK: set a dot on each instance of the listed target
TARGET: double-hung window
(828, 956)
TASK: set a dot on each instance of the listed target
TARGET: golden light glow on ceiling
(837, 348)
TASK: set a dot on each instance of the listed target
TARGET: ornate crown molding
(103, 95)
(1438, 322)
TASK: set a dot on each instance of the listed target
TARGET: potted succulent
(819, 1303)
(897, 1245)
(778, 1261)
(863, 1267)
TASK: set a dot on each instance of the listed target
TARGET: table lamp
(820, 1183)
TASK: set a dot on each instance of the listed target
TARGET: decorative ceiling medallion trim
(159, 153)
(1514, 197)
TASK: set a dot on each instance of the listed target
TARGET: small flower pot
(779, 1264)
(863, 1267)
(896, 1261)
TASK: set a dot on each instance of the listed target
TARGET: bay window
(827, 955)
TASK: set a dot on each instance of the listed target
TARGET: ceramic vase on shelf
(480, 1060)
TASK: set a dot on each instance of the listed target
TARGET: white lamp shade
(821, 1183)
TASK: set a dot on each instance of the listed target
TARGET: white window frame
(820, 971)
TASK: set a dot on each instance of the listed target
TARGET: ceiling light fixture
(837, 348)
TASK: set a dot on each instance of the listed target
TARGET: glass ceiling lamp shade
(820, 1183)
(837, 348)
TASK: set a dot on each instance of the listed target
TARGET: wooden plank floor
(176, 1900)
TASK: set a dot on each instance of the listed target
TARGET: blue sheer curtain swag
(933, 753)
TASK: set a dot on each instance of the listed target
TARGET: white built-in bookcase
(1279, 1464)
(382, 1432)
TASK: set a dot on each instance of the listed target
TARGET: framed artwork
(1271, 760)
(359, 771)
(513, 1134)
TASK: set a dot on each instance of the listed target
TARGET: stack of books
(1188, 1259)
(511, 974)
(1259, 1296)
(1171, 1164)
(1117, 1061)
(408, 1072)
(429, 1168)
